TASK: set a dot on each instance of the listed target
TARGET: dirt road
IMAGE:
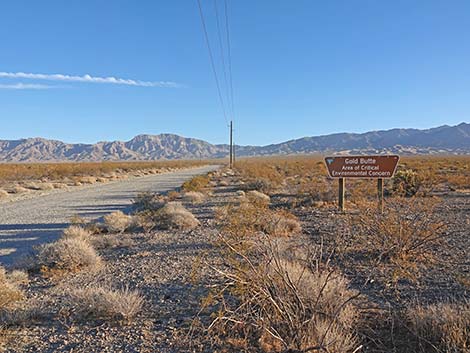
(26, 223)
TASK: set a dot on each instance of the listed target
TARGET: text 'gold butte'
(362, 166)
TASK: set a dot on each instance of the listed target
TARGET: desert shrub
(257, 196)
(405, 234)
(282, 223)
(9, 291)
(17, 277)
(171, 216)
(117, 222)
(198, 183)
(22, 313)
(148, 201)
(68, 254)
(105, 241)
(406, 183)
(98, 302)
(442, 327)
(74, 232)
(271, 304)
(251, 217)
(262, 185)
(194, 196)
(172, 195)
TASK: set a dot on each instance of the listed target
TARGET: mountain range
(440, 140)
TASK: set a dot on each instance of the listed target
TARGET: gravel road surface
(30, 222)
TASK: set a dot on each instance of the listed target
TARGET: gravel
(29, 222)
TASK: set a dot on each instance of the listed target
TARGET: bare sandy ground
(29, 222)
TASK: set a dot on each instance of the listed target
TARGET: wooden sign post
(366, 167)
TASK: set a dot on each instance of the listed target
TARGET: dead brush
(404, 235)
(270, 304)
(442, 327)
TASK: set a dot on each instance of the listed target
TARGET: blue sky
(300, 68)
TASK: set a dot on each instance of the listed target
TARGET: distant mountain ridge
(440, 140)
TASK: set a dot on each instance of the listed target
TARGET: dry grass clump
(198, 183)
(9, 291)
(99, 302)
(68, 255)
(76, 232)
(117, 222)
(257, 196)
(271, 304)
(171, 216)
(22, 313)
(405, 234)
(194, 196)
(442, 327)
(3, 194)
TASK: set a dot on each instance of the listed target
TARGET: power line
(227, 30)
(206, 36)
(222, 55)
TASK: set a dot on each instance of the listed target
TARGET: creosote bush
(405, 234)
(117, 222)
(68, 254)
(98, 302)
(442, 327)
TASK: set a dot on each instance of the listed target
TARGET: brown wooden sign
(362, 166)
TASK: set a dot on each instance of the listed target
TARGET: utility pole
(231, 144)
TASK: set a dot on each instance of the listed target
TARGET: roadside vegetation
(29, 177)
(259, 259)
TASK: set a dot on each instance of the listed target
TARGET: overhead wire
(229, 53)
(222, 56)
(206, 36)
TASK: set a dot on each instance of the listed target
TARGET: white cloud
(87, 79)
(22, 86)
